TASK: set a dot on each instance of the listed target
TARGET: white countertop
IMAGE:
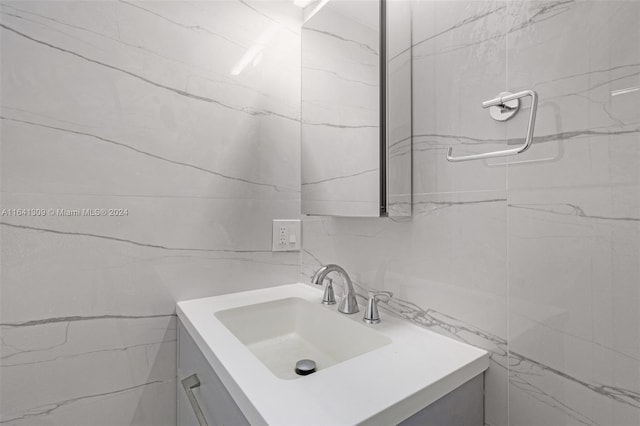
(381, 387)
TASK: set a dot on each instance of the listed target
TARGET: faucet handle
(329, 297)
(371, 315)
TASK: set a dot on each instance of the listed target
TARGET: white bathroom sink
(367, 374)
(281, 332)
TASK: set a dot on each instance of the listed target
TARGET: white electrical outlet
(286, 235)
(283, 233)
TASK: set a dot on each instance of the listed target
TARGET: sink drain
(305, 367)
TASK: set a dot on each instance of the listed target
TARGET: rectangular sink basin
(373, 375)
(281, 332)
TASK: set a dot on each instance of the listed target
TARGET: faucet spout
(348, 304)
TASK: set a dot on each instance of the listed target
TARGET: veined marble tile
(144, 124)
(399, 155)
(568, 249)
(49, 370)
(217, 35)
(140, 263)
(36, 159)
(595, 52)
(573, 277)
(556, 271)
(448, 91)
(340, 127)
(132, 59)
(49, 340)
(399, 13)
(196, 224)
(351, 178)
(574, 215)
(571, 159)
(135, 405)
(425, 255)
(446, 267)
(184, 113)
(588, 126)
(540, 394)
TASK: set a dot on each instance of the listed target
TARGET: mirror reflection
(356, 109)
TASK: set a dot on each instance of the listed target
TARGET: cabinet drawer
(217, 405)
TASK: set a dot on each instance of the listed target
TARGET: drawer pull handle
(190, 383)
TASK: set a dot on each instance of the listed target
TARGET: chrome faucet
(348, 304)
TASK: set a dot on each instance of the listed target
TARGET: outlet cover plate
(286, 235)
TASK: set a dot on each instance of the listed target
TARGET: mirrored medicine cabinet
(356, 109)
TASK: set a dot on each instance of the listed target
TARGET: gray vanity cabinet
(462, 407)
(215, 402)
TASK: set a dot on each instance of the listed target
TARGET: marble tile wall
(184, 115)
(340, 114)
(537, 258)
(574, 215)
(398, 109)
